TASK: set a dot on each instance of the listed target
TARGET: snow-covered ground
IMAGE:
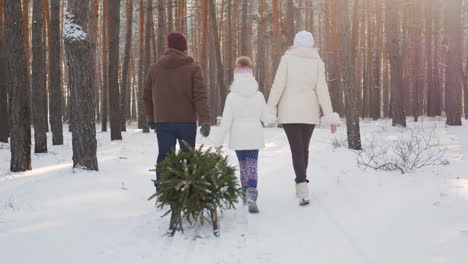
(54, 214)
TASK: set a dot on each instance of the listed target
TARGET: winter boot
(302, 192)
(252, 194)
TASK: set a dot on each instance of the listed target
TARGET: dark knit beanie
(176, 40)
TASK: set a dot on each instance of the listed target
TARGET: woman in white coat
(299, 92)
(244, 110)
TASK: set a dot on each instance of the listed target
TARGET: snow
(54, 214)
(71, 30)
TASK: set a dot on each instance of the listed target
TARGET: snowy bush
(412, 149)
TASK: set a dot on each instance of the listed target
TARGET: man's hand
(151, 124)
(205, 129)
(333, 129)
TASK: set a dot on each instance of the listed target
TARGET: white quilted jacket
(300, 89)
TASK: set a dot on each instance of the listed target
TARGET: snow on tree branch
(71, 30)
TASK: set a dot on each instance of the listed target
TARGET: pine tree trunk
(161, 28)
(46, 43)
(4, 102)
(465, 94)
(418, 64)
(396, 62)
(113, 30)
(367, 58)
(27, 36)
(93, 35)
(217, 46)
(290, 25)
(261, 49)
(147, 50)
(351, 102)
(230, 43)
(105, 66)
(213, 92)
(431, 96)
(170, 16)
(205, 39)
(126, 66)
(38, 79)
(276, 34)
(82, 93)
(453, 93)
(385, 84)
(20, 93)
(243, 46)
(141, 113)
(134, 112)
(55, 75)
(377, 85)
(332, 59)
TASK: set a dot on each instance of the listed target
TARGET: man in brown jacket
(175, 95)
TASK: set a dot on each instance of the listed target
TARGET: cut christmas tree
(194, 185)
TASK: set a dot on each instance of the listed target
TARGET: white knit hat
(304, 39)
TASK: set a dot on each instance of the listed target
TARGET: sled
(214, 222)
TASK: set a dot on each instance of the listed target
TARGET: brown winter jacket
(175, 90)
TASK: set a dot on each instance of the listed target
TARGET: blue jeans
(169, 134)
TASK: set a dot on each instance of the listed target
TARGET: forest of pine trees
(83, 62)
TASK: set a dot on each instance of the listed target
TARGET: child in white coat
(244, 111)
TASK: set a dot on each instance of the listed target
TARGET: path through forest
(55, 215)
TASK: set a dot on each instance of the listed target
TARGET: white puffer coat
(244, 110)
(300, 89)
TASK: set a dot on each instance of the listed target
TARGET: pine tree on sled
(195, 185)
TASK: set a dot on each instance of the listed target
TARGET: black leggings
(299, 136)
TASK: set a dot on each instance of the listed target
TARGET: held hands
(333, 128)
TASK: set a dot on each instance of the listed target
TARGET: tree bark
(4, 102)
(243, 46)
(113, 30)
(55, 75)
(217, 45)
(20, 94)
(170, 16)
(261, 49)
(205, 39)
(418, 64)
(27, 35)
(77, 47)
(126, 65)
(351, 102)
(93, 35)
(161, 28)
(38, 79)
(276, 33)
(432, 99)
(230, 61)
(396, 63)
(47, 41)
(453, 93)
(141, 77)
(147, 50)
(213, 92)
(290, 25)
(377, 85)
(105, 65)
